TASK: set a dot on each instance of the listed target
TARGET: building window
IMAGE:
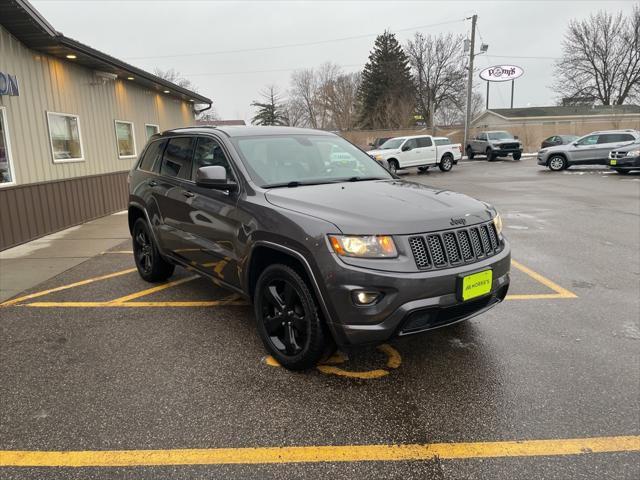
(7, 177)
(151, 130)
(65, 136)
(125, 136)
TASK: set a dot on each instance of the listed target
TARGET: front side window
(151, 130)
(392, 144)
(208, 153)
(176, 161)
(410, 144)
(65, 136)
(126, 139)
(588, 140)
(7, 176)
(305, 159)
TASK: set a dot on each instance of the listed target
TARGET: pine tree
(386, 93)
(270, 111)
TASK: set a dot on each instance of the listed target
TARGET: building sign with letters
(501, 73)
(8, 84)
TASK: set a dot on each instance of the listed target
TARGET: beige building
(73, 121)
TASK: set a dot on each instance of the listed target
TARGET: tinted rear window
(151, 155)
(615, 137)
(443, 141)
(424, 142)
(176, 161)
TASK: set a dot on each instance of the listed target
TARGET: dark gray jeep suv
(329, 247)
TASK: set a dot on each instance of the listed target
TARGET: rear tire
(151, 266)
(470, 153)
(446, 163)
(393, 166)
(557, 163)
(423, 169)
(288, 321)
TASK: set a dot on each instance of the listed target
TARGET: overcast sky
(195, 37)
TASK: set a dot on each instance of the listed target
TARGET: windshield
(292, 160)
(500, 136)
(391, 144)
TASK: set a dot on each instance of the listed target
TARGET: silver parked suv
(592, 149)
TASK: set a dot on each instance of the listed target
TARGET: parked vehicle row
(422, 151)
(592, 149)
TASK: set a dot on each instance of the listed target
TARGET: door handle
(152, 183)
(188, 194)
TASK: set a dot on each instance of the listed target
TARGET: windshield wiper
(292, 184)
(362, 179)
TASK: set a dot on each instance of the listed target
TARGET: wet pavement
(182, 367)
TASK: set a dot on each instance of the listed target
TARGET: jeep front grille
(509, 146)
(615, 154)
(454, 247)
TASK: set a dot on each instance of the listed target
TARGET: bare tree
(294, 112)
(452, 110)
(438, 72)
(304, 91)
(174, 76)
(339, 96)
(601, 58)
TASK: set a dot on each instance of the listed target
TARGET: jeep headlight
(633, 153)
(497, 222)
(364, 246)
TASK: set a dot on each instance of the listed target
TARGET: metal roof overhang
(32, 29)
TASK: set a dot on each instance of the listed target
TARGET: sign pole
(467, 117)
(512, 83)
(487, 107)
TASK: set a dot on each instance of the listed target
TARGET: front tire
(393, 166)
(557, 163)
(490, 155)
(446, 163)
(151, 266)
(622, 172)
(423, 169)
(287, 319)
(517, 156)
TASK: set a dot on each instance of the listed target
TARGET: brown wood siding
(31, 211)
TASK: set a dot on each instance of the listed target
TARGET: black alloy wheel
(151, 266)
(287, 319)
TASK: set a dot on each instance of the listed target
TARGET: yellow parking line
(206, 303)
(535, 296)
(65, 287)
(155, 289)
(560, 291)
(321, 453)
(126, 252)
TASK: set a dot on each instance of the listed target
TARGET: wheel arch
(557, 154)
(264, 253)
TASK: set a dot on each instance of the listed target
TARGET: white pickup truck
(422, 151)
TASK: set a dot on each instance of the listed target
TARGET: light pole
(467, 119)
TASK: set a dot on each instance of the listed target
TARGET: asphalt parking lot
(106, 376)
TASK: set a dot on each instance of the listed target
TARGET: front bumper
(625, 163)
(412, 302)
(506, 151)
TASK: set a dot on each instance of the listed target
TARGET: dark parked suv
(329, 253)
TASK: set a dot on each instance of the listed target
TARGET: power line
(290, 45)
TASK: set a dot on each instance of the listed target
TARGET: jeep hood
(382, 207)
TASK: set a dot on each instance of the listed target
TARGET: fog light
(362, 297)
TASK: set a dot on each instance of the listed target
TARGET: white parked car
(422, 151)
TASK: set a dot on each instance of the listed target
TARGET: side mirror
(406, 148)
(575, 144)
(215, 177)
(515, 137)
